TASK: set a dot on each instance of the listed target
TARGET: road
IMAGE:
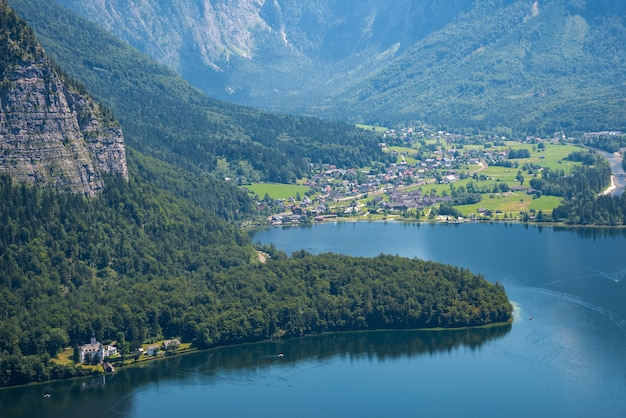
(618, 175)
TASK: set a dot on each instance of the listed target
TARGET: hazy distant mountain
(542, 65)
(276, 54)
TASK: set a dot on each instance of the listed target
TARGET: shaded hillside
(51, 132)
(541, 67)
(166, 118)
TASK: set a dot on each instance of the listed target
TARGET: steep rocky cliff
(51, 134)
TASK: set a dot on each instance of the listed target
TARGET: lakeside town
(432, 168)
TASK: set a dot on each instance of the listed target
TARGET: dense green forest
(13, 28)
(164, 117)
(139, 261)
(589, 209)
(606, 142)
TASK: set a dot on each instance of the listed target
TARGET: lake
(563, 356)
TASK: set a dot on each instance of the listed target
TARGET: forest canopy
(138, 261)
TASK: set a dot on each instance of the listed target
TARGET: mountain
(275, 54)
(531, 66)
(51, 132)
(537, 67)
(165, 118)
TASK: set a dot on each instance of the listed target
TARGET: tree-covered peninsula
(137, 261)
(151, 255)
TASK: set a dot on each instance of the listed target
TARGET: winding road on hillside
(618, 174)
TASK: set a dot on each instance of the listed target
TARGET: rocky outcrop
(52, 134)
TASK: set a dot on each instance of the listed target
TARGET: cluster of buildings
(404, 200)
(96, 349)
(443, 158)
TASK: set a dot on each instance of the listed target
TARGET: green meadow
(511, 204)
(374, 128)
(276, 191)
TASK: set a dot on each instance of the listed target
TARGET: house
(170, 344)
(89, 351)
(153, 350)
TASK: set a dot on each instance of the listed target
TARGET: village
(427, 164)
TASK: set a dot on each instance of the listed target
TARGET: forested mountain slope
(164, 117)
(533, 66)
(542, 66)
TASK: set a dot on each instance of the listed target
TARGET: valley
(125, 181)
(437, 176)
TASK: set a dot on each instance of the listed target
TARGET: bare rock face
(52, 135)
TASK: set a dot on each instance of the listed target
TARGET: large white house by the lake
(89, 351)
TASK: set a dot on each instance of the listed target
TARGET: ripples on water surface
(564, 355)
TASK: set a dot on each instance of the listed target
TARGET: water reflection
(593, 233)
(114, 395)
(377, 345)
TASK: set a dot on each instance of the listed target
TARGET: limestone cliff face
(51, 134)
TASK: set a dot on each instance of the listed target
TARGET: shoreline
(194, 350)
(436, 222)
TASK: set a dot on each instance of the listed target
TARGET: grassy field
(511, 204)
(64, 357)
(545, 203)
(379, 129)
(276, 191)
(404, 158)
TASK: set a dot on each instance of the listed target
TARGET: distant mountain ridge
(542, 66)
(51, 134)
(274, 54)
(532, 66)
